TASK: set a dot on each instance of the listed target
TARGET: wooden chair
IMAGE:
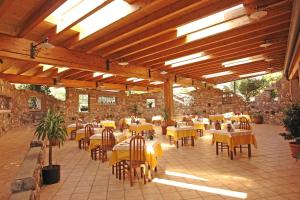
(137, 159)
(88, 132)
(108, 141)
(244, 124)
(220, 145)
(73, 132)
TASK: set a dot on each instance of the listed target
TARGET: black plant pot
(51, 174)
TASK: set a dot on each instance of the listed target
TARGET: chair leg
(241, 148)
(130, 176)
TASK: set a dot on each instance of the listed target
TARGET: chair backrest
(218, 125)
(88, 131)
(78, 124)
(137, 149)
(244, 124)
(108, 139)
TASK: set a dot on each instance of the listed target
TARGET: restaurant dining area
(149, 99)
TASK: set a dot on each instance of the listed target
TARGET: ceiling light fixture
(34, 50)
(217, 74)
(131, 79)
(266, 44)
(163, 72)
(243, 61)
(268, 59)
(253, 74)
(138, 79)
(123, 63)
(191, 61)
(258, 13)
(46, 67)
(61, 69)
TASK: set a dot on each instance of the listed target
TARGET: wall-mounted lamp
(35, 48)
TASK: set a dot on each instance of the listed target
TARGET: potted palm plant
(52, 129)
(257, 118)
(291, 122)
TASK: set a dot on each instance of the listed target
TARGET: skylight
(195, 55)
(218, 74)
(107, 75)
(156, 83)
(190, 61)
(110, 13)
(211, 20)
(253, 74)
(96, 74)
(71, 11)
(46, 67)
(61, 69)
(218, 28)
(243, 61)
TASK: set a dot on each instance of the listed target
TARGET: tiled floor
(13, 147)
(270, 174)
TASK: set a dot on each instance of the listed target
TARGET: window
(107, 100)
(227, 98)
(83, 103)
(150, 103)
(34, 103)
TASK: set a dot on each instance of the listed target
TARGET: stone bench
(27, 183)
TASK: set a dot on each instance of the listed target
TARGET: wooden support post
(168, 97)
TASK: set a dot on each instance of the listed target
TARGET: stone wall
(14, 109)
(123, 107)
(272, 109)
(203, 101)
(26, 185)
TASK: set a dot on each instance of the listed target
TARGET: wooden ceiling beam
(158, 29)
(18, 48)
(253, 30)
(218, 59)
(146, 17)
(4, 6)
(26, 67)
(39, 15)
(219, 49)
(217, 63)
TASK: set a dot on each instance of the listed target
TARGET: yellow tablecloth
(141, 127)
(216, 117)
(198, 126)
(108, 124)
(238, 117)
(80, 133)
(237, 138)
(95, 141)
(179, 133)
(153, 151)
(70, 129)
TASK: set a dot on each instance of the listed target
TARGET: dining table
(96, 139)
(182, 133)
(140, 128)
(80, 133)
(153, 151)
(108, 124)
(238, 117)
(234, 139)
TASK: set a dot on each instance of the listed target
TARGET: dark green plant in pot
(52, 129)
(291, 121)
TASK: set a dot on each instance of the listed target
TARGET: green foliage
(274, 94)
(39, 88)
(291, 121)
(51, 128)
(251, 87)
(165, 114)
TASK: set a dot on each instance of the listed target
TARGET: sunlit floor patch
(185, 175)
(201, 188)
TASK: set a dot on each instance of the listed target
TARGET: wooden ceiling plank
(39, 15)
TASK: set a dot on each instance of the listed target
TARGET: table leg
(170, 138)
(217, 148)
(249, 150)
(149, 173)
(79, 144)
(177, 144)
(231, 155)
(221, 146)
(193, 142)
